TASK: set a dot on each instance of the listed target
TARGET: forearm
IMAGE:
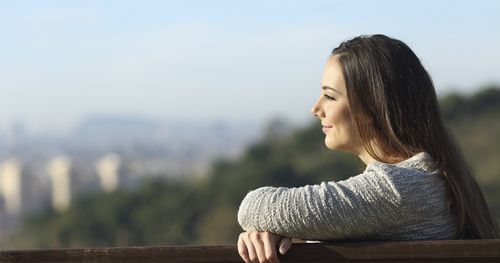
(320, 212)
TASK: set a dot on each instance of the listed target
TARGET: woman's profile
(378, 102)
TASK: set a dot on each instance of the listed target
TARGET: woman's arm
(359, 207)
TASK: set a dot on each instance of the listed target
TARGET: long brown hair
(387, 85)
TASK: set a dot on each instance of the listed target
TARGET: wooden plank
(410, 251)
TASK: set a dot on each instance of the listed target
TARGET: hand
(261, 246)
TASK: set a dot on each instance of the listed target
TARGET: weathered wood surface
(413, 251)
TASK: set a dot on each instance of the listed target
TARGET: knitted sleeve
(359, 207)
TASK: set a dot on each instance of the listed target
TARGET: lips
(326, 128)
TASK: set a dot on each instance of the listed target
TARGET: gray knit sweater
(403, 201)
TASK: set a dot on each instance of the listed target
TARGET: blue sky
(61, 61)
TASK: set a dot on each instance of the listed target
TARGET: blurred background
(146, 122)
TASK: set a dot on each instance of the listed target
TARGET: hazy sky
(61, 61)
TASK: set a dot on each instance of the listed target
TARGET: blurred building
(59, 171)
(107, 168)
(10, 185)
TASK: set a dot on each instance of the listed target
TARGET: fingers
(269, 246)
(242, 249)
(261, 246)
(284, 245)
(246, 248)
(258, 239)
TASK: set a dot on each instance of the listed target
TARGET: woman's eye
(329, 97)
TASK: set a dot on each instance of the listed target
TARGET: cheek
(339, 115)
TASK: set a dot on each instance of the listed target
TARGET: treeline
(203, 211)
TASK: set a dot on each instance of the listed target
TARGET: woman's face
(333, 111)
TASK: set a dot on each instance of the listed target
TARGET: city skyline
(199, 61)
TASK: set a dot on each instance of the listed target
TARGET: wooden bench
(408, 251)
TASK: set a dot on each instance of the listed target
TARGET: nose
(316, 109)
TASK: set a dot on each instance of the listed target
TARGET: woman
(379, 103)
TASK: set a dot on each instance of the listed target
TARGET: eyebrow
(330, 88)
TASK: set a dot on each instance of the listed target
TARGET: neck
(363, 154)
(365, 157)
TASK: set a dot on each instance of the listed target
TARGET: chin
(330, 145)
(337, 147)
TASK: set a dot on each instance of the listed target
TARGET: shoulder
(419, 167)
(414, 178)
(403, 182)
